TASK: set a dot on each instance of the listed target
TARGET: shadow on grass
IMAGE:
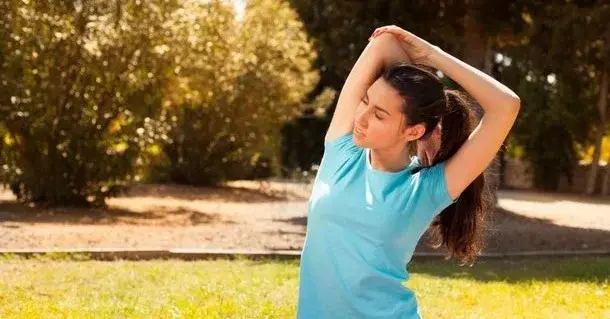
(520, 270)
(514, 271)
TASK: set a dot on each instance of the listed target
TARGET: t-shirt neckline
(412, 165)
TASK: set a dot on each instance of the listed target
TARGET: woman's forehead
(384, 96)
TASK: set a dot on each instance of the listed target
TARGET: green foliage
(302, 138)
(95, 94)
(235, 87)
(79, 89)
(559, 39)
(549, 147)
(341, 28)
(586, 153)
(557, 78)
(301, 146)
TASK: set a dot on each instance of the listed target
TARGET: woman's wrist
(391, 50)
(435, 57)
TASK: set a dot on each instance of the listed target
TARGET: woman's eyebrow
(376, 106)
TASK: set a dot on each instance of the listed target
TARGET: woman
(371, 201)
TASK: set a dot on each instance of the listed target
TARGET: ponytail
(460, 226)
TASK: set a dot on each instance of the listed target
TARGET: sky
(239, 6)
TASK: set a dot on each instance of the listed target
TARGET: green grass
(60, 286)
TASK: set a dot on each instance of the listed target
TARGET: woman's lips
(359, 132)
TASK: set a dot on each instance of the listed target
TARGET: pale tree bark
(606, 179)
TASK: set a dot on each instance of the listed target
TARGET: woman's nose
(361, 120)
(361, 117)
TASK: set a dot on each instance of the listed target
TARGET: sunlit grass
(73, 287)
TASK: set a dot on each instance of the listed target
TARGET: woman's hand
(418, 49)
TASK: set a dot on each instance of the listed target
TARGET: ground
(272, 216)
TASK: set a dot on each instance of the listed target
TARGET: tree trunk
(606, 179)
(478, 52)
(475, 39)
(599, 134)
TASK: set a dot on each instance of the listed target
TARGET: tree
(472, 30)
(79, 83)
(602, 109)
(238, 83)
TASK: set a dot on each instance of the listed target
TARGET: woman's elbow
(511, 105)
(517, 102)
(514, 102)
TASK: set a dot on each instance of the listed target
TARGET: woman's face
(379, 122)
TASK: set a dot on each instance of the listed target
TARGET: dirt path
(273, 216)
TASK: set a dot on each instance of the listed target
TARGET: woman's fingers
(388, 28)
(417, 48)
(405, 36)
(378, 31)
(400, 33)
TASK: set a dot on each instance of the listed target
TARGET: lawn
(74, 287)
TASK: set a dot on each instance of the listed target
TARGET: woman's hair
(460, 226)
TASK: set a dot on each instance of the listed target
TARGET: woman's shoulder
(432, 183)
(338, 153)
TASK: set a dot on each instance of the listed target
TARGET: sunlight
(240, 7)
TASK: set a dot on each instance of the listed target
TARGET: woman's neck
(390, 160)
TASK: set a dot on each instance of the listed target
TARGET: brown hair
(459, 227)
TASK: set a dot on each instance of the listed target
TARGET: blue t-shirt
(362, 228)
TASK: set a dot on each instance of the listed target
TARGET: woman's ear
(414, 132)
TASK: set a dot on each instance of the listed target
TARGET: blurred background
(200, 124)
(99, 95)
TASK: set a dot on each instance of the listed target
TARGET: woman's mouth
(359, 132)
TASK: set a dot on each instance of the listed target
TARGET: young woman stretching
(372, 201)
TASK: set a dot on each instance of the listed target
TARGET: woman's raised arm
(500, 105)
(380, 52)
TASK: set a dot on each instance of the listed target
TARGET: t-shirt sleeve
(434, 185)
(337, 153)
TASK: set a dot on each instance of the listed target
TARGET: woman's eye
(377, 116)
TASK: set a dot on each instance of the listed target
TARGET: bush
(79, 89)
(234, 91)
